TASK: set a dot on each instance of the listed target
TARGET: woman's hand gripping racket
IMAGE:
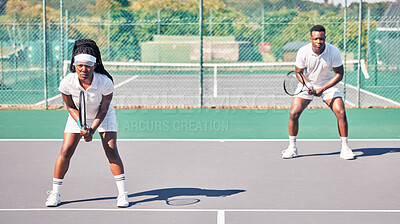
(82, 117)
(294, 83)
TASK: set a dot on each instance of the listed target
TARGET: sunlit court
(199, 111)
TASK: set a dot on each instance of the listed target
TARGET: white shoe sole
(123, 206)
(293, 155)
(289, 157)
(123, 203)
(347, 157)
(52, 205)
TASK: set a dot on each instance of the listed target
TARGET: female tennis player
(88, 74)
(316, 60)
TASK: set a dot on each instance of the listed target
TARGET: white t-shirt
(101, 86)
(318, 68)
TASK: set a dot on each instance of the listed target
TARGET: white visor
(84, 59)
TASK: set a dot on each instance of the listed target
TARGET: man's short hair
(318, 28)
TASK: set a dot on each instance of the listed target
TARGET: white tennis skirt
(109, 124)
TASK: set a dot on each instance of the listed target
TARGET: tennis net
(222, 85)
(241, 85)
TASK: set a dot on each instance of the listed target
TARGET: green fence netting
(152, 49)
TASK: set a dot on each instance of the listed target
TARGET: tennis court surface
(205, 181)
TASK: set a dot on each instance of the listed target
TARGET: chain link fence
(152, 49)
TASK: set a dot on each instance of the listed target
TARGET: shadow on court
(376, 151)
(364, 152)
(167, 195)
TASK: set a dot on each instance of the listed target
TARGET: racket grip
(79, 124)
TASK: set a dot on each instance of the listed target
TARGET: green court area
(373, 123)
(27, 86)
(385, 83)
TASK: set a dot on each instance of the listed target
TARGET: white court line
(209, 140)
(59, 95)
(48, 100)
(259, 96)
(346, 101)
(219, 211)
(220, 217)
(126, 81)
(374, 95)
(384, 86)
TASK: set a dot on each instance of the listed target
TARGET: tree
(3, 7)
(29, 10)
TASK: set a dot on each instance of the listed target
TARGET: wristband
(308, 84)
(79, 124)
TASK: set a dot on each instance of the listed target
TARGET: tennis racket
(294, 83)
(82, 109)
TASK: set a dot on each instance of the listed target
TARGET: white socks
(344, 142)
(120, 181)
(292, 141)
(57, 184)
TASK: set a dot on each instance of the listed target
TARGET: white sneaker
(346, 153)
(290, 152)
(122, 200)
(53, 200)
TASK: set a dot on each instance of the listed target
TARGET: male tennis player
(88, 74)
(316, 60)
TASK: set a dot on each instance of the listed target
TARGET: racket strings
(292, 83)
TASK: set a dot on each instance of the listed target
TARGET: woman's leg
(70, 142)
(109, 141)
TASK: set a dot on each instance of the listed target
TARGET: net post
(262, 22)
(44, 54)
(359, 54)
(65, 68)
(61, 40)
(66, 35)
(345, 51)
(201, 51)
(159, 34)
(109, 35)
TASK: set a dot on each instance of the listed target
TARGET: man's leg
(337, 106)
(297, 107)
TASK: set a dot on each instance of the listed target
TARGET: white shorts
(328, 94)
(109, 124)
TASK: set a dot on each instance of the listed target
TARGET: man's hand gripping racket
(85, 129)
(294, 83)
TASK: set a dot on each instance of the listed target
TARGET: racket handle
(79, 124)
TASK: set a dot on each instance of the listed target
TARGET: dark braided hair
(88, 46)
